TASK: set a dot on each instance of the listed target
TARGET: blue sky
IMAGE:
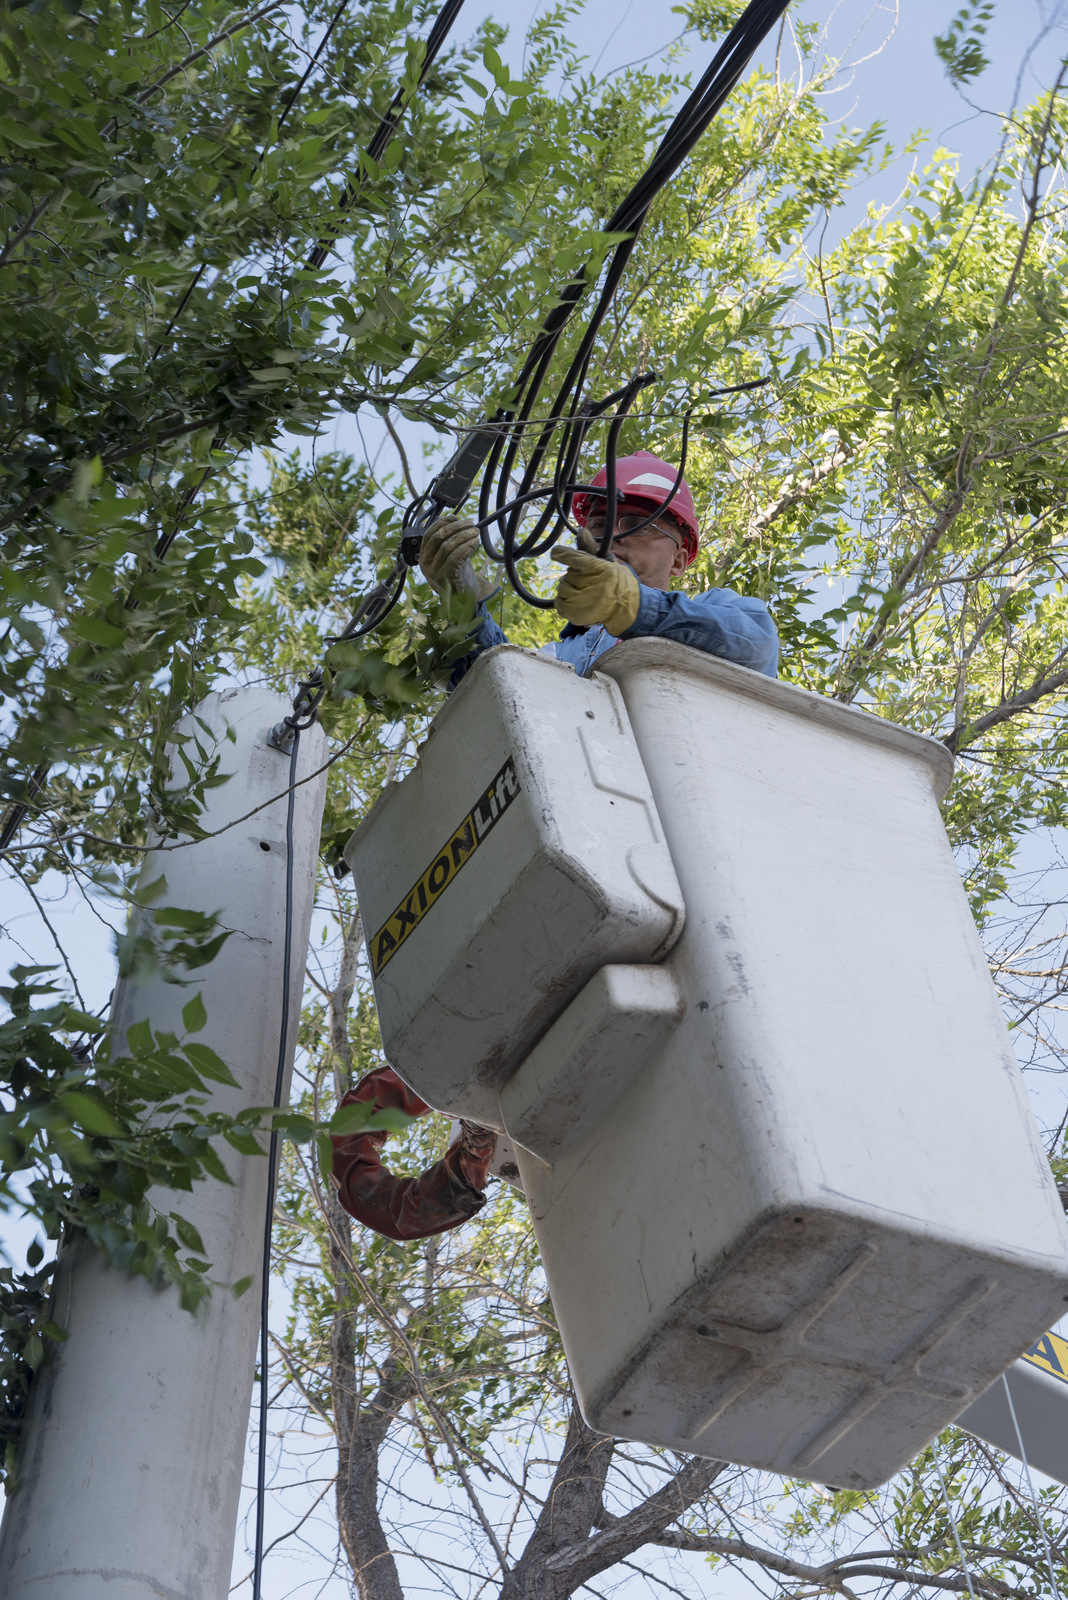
(901, 82)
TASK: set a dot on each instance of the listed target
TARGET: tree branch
(834, 1573)
(399, 446)
(146, 94)
(28, 226)
(644, 1525)
(795, 489)
(570, 1511)
(63, 480)
(204, 49)
(942, 523)
(360, 1428)
(966, 733)
(341, 1240)
(339, 999)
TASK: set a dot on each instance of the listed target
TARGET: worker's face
(655, 554)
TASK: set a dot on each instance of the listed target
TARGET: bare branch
(795, 489)
(834, 1574)
(570, 1511)
(644, 1525)
(963, 735)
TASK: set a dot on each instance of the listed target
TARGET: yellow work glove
(445, 558)
(593, 590)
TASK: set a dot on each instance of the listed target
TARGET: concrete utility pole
(132, 1451)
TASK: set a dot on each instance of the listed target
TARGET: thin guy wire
(272, 1181)
(1030, 1486)
(956, 1530)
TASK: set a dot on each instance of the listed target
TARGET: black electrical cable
(703, 103)
(17, 813)
(272, 1174)
(568, 490)
(493, 447)
(384, 132)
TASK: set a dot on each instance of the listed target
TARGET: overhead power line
(385, 130)
(493, 447)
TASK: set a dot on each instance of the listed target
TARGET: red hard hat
(647, 481)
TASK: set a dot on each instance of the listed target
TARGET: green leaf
(194, 1015)
(213, 1166)
(88, 474)
(352, 1117)
(83, 1021)
(91, 1114)
(96, 631)
(391, 1121)
(293, 1126)
(176, 917)
(139, 1039)
(187, 1233)
(208, 1064)
(29, 631)
(325, 1152)
(246, 1143)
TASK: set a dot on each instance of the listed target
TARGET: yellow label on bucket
(453, 855)
(1049, 1354)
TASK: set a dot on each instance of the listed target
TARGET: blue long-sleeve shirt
(720, 622)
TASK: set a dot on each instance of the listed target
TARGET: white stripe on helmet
(655, 478)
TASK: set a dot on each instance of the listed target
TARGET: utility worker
(449, 1192)
(625, 597)
(629, 595)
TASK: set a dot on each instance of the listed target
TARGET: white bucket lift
(758, 1150)
(522, 854)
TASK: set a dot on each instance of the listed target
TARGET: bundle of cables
(495, 446)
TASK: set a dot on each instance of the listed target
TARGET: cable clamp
(305, 711)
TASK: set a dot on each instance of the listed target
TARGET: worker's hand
(477, 1147)
(445, 558)
(593, 590)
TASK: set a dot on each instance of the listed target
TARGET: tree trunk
(361, 1431)
(360, 1428)
(564, 1551)
(568, 1515)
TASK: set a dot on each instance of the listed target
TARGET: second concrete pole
(133, 1444)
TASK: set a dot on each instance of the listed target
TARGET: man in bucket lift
(627, 596)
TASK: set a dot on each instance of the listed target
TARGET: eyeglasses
(633, 527)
